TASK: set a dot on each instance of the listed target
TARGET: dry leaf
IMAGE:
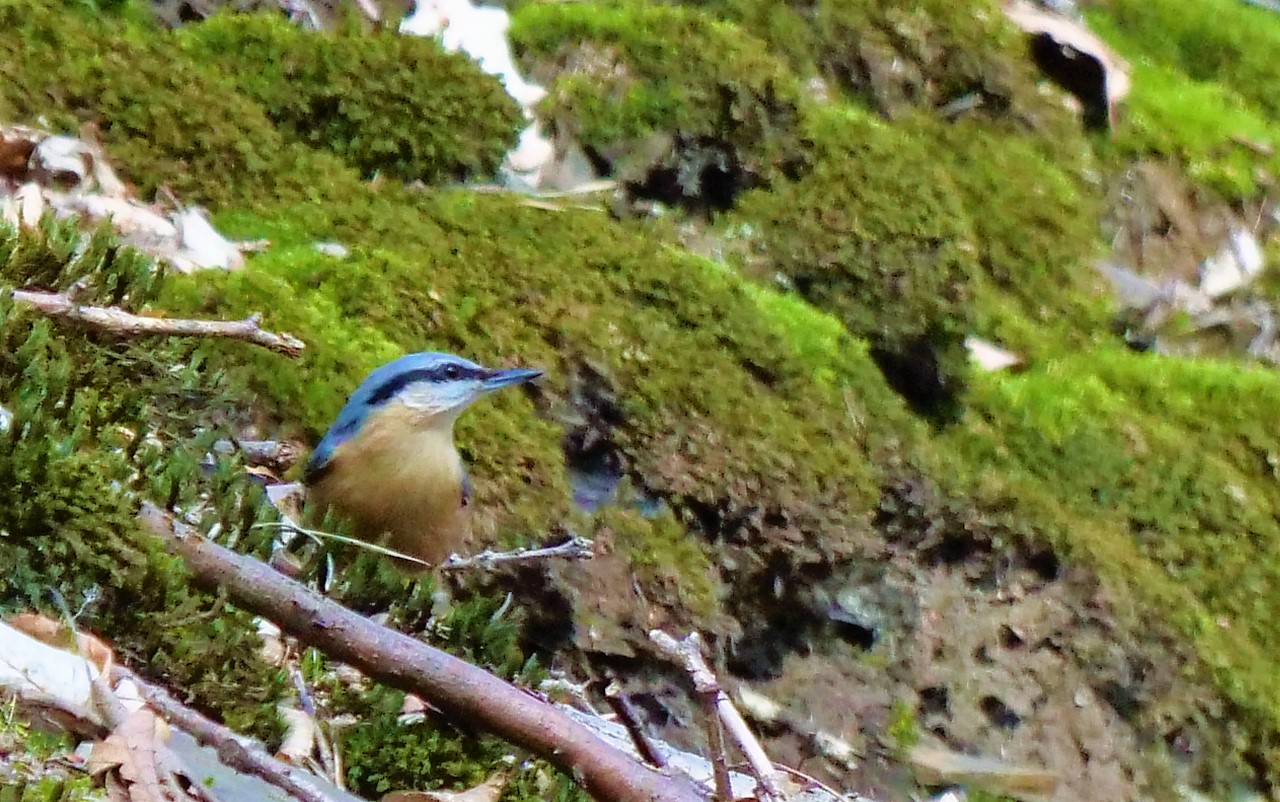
(990, 357)
(135, 765)
(69, 176)
(287, 498)
(52, 632)
(412, 704)
(487, 791)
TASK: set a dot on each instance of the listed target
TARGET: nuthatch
(388, 464)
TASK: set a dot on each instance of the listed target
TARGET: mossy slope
(763, 425)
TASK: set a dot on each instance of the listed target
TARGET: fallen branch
(234, 750)
(688, 653)
(122, 322)
(461, 691)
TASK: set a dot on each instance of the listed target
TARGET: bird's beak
(506, 378)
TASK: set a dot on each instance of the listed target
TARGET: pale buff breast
(399, 482)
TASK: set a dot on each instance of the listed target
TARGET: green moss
(876, 232)
(384, 752)
(904, 728)
(902, 57)
(963, 49)
(385, 755)
(164, 118)
(1034, 208)
(99, 423)
(385, 103)
(1205, 125)
(784, 27)
(631, 69)
(1210, 41)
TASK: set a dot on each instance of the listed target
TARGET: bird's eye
(452, 372)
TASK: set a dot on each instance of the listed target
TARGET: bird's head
(436, 386)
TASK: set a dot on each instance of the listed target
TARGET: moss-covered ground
(774, 402)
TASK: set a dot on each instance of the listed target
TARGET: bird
(388, 464)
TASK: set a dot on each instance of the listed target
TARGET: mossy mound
(434, 273)
(1034, 207)
(899, 57)
(170, 116)
(626, 71)
(1095, 451)
(165, 119)
(877, 233)
(384, 103)
(1206, 40)
(1209, 120)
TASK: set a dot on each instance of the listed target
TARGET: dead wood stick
(233, 749)
(461, 691)
(623, 709)
(576, 548)
(688, 653)
(122, 322)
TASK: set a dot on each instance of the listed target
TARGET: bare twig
(622, 708)
(688, 653)
(234, 750)
(459, 690)
(576, 548)
(715, 743)
(122, 322)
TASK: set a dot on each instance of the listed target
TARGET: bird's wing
(320, 460)
(316, 467)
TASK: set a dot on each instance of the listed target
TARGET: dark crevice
(934, 700)
(915, 371)
(999, 714)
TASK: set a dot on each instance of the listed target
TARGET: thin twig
(122, 322)
(626, 714)
(233, 749)
(576, 548)
(715, 743)
(688, 653)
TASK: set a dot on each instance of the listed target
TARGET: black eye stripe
(450, 372)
